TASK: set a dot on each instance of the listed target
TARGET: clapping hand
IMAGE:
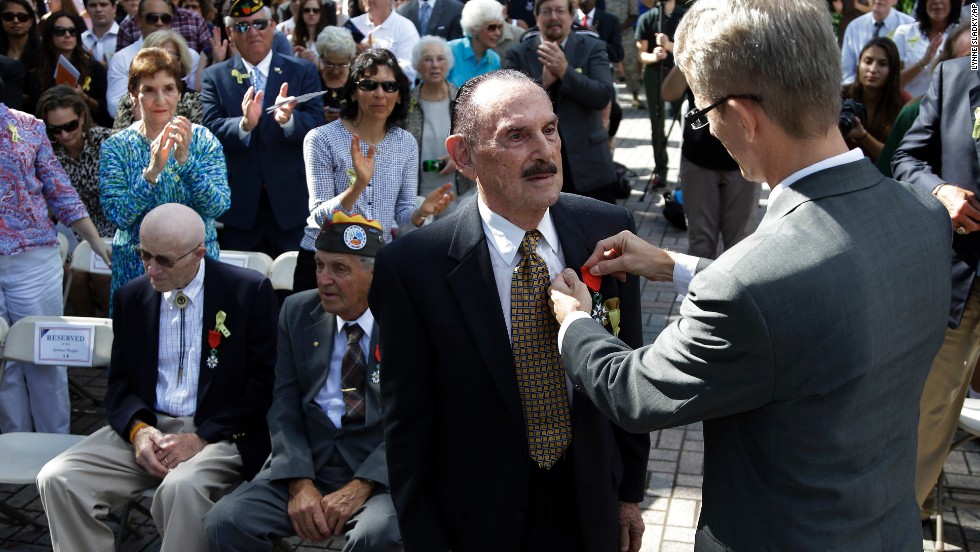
(363, 164)
(252, 107)
(284, 111)
(553, 60)
(176, 138)
(219, 46)
(437, 200)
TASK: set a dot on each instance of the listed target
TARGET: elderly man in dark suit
(327, 475)
(434, 17)
(939, 155)
(270, 202)
(575, 71)
(189, 388)
(803, 347)
(471, 382)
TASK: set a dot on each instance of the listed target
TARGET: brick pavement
(675, 467)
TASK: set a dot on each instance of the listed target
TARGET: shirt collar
(365, 321)
(506, 236)
(432, 4)
(194, 290)
(835, 161)
(580, 13)
(263, 66)
(113, 31)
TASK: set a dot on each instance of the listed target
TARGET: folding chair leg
(17, 515)
(940, 546)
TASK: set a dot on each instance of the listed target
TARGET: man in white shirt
(804, 348)
(384, 28)
(189, 387)
(882, 20)
(100, 40)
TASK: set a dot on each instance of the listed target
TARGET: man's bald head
(173, 222)
(172, 245)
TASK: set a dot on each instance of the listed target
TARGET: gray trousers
(100, 474)
(717, 204)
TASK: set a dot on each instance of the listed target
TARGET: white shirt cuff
(287, 127)
(245, 137)
(684, 268)
(577, 315)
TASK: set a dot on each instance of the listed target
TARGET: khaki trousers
(100, 474)
(943, 395)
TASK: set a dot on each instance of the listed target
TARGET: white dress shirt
(179, 398)
(859, 32)
(101, 48)
(331, 397)
(396, 34)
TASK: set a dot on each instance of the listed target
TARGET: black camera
(849, 111)
(433, 165)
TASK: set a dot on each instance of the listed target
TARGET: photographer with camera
(874, 99)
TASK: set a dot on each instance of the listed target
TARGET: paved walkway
(673, 501)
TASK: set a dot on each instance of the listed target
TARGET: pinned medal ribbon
(214, 338)
(599, 312)
(376, 373)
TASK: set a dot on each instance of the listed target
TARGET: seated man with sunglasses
(153, 15)
(190, 384)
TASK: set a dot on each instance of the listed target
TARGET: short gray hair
(158, 39)
(783, 51)
(477, 13)
(229, 20)
(428, 40)
(335, 40)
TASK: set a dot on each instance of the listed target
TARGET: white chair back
(282, 271)
(19, 344)
(259, 262)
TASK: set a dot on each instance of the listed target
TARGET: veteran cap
(245, 8)
(354, 235)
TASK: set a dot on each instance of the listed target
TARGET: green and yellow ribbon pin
(239, 76)
(612, 310)
(14, 135)
(976, 123)
(219, 323)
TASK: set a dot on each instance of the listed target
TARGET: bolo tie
(181, 301)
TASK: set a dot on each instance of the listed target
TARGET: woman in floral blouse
(159, 159)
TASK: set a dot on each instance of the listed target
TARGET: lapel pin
(316, 343)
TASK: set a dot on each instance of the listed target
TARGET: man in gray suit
(327, 475)
(939, 155)
(805, 346)
(434, 17)
(574, 70)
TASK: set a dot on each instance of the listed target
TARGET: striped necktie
(353, 367)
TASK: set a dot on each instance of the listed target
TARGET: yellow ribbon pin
(14, 135)
(976, 124)
(612, 309)
(87, 84)
(241, 77)
(220, 324)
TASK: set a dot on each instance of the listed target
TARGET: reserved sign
(64, 344)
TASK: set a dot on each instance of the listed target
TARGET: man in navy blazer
(190, 384)
(269, 199)
(443, 19)
(940, 154)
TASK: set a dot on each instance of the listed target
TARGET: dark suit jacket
(608, 27)
(234, 397)
(272, 158)
(940, 148)
(454, 416)
(12, 73)
(303, 437)
(579, 97)
(444, 20)
(804, 348)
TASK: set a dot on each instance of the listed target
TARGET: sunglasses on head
(70, 126)
(369, 85)
(165, 262)
(19, 16)
(154, 18)
(311, 10)
(64, 31)
(242, 27)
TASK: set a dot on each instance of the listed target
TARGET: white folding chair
(63, 247)
(970, 424)
(83, 260)
(282, 271)
(259, 262)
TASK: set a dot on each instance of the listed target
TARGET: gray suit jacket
(804, 349)
(940, 148)
(579, 97)
(303, 437)
(443, 22)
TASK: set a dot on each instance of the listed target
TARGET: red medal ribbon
(214, 339)
(377, 352)
(591, 280)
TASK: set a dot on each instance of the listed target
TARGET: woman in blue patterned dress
(382, 160)
(159, 159)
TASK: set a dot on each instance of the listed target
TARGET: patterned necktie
(878, 26)
(540, 377)
(425, 10)
(258, 80)
(352, 372)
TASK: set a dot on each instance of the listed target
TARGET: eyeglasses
(242, 27)
(165, 262)
(329, 66)
(64, 31)
(494, 27)
(697, 118)
(154, 18)
(554, 12)
(19, 16)
(70, 126)
(311, 10)
(369, 85)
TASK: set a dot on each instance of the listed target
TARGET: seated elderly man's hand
(341, 504)
(175, 449)
(626, 253)
(146, 445)
(305, 512)
(568, 294)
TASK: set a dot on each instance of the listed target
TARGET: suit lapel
(238, 67)
(215, 295)
(372, 388)
(318, 347)
(149, 306)
(475, 290)
(570, 233)
(273, 81)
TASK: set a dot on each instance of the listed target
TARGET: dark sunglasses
(369, 85)
(165, 262)
(64, 31)
(242, 27)
(70, 126)
(154, 18)
(19, 16)
(311, 10)
(494, 27)
(698, 118)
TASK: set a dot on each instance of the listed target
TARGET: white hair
(335, 40)
(477, 13)
(428, 40)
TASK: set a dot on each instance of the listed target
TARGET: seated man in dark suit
(327, 475)
(190, 384)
